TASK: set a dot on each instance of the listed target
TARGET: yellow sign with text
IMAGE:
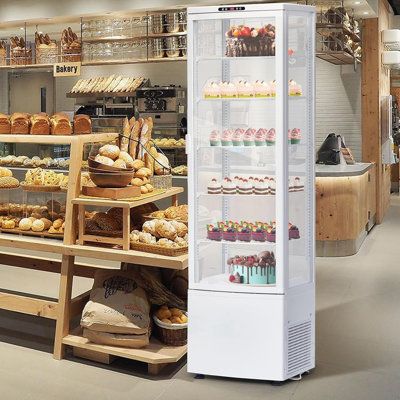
(67, 69)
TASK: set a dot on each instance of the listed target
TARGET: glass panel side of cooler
(300, 148)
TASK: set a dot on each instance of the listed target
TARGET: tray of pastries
(160, 236)
(173, 213)
(40, 180)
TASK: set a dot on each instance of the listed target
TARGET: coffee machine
(167, 107)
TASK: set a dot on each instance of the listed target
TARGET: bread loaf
(60, 124)
(82, 124)
(19, 123)
(40, 124)
(5, 126)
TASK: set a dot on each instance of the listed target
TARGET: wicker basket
(171, 334)
(161, 181)
(46, 54)
(71, 55)
(164, 251)
(148, 217)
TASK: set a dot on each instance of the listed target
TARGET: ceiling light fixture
(21, 28)
(357, 2)
(365, 12)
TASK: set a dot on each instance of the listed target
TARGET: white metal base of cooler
(251, 336)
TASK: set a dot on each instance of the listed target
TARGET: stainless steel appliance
(167, 106)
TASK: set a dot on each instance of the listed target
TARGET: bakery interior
(95, 193)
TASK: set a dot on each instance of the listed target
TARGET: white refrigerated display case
(251, 190)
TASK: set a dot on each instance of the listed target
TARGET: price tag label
(67, 69)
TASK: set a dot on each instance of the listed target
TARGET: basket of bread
(70, 46)
(177, 213)
(7, 181)
(136, 138)
(169, 238)
(46, 49)
(40, 180)
(20, 51)
(3, 52)
(171, 326)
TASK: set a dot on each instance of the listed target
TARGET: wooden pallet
(156, 355)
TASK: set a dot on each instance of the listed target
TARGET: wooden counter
(345, 208)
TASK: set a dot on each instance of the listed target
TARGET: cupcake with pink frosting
(272, 88)
(245, 89)
(295, 136)
(211, 91)
(228, 90)
(226, 139)
(248, 138)
(271, 137)
(294, 88)
(261, 89)
(237, 138)
(261, 137)
(215, 138)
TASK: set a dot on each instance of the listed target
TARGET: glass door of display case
(251, 119)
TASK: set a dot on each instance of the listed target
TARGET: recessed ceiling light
(357, 2)
(365, 12)
(21, 28)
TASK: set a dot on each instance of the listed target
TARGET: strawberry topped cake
(249, 41)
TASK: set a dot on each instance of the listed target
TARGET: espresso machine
(167, 106)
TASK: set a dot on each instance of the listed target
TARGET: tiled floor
(358, 341)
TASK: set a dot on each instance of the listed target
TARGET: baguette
(114, 84)
(121, 84)
(135, 133)
(75, 87)
(106, 83)
(124, 142)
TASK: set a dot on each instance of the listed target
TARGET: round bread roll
(137, 182)
(57, 224)
(107, 222)
(124, 156)
(32, 218)
(104, 160)
(142, 173)
(8, 224)
(149, 187)
(137, 164)
(38, 226)
(8, 182)
(110, 150)
(47, 223)
(119, 164)
(144, 190)
(25, 224)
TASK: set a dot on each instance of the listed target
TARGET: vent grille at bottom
(299, 347)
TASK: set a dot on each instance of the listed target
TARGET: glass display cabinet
(251, 190)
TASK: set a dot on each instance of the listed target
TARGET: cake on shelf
(254, 269)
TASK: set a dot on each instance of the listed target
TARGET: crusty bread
(40, 124)
(19, 123)
(5, 125)
(82, 124)
(60, 124)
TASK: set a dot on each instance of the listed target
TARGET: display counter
(346, 207)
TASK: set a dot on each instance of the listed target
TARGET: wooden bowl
(96, 165)
(111, 180)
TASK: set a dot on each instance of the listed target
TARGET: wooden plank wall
(375, 85)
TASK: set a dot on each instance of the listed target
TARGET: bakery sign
(67, 69)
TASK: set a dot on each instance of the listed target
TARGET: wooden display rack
(125, 205)
(63, 309)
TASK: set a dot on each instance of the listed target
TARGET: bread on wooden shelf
(39, 124)
(19, 123)
(60, 124)
(5, 125)
(82, 124)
